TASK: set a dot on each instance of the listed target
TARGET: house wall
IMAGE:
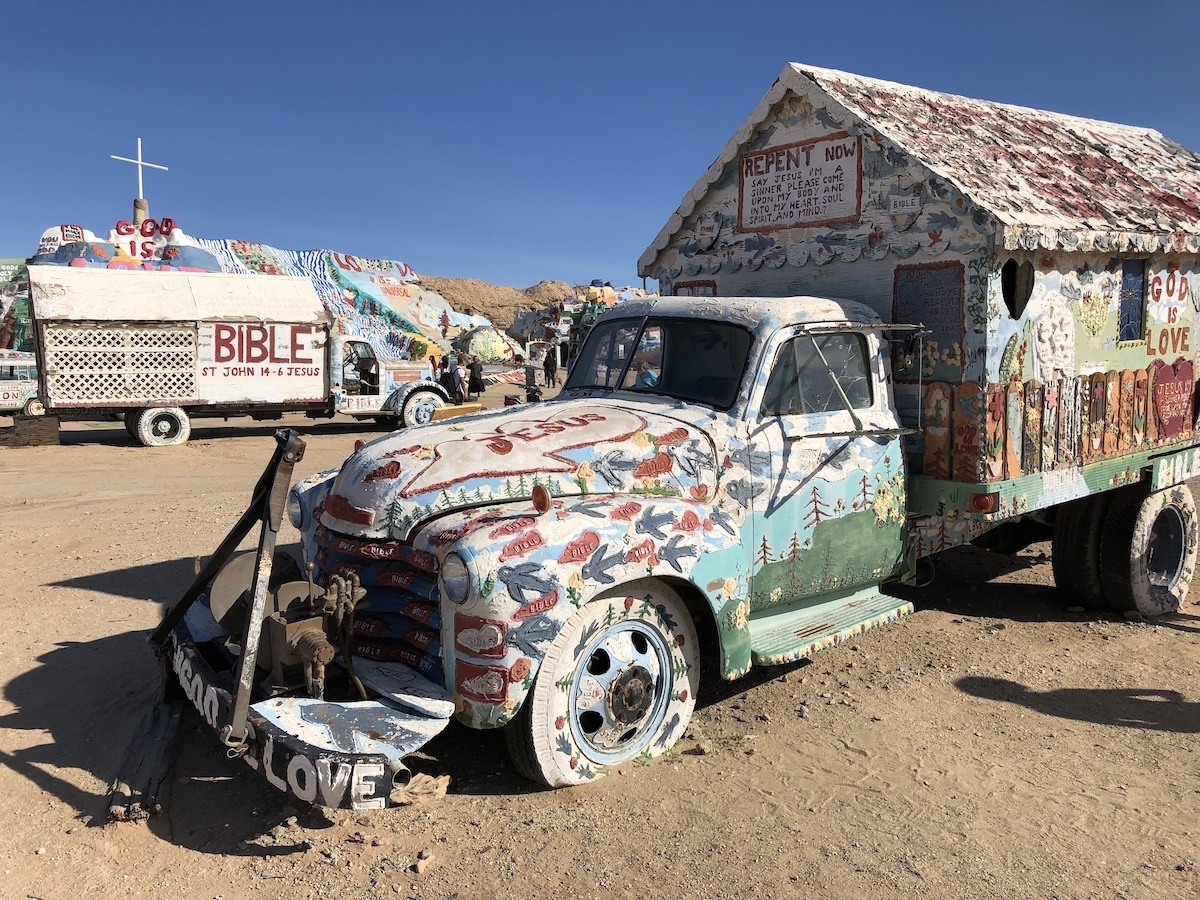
(817, 203)
(1060, 388)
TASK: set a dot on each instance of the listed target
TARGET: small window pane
(801, 384)
(607, 350)
(1133, 298)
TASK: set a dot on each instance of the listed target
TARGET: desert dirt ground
(1000, 742)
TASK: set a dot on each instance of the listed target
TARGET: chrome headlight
(305, 496)
(295, 509)
(455, 578)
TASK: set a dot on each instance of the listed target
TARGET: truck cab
(18, 384)
(721, 471)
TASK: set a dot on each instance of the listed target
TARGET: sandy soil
(994, 744)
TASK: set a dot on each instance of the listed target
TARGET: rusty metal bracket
(266, 507)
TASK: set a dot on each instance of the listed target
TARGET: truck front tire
(619, 682)
(418, 408)
(163, 426)
(1148, 550)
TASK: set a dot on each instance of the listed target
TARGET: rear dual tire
(1148, 549)
(1131, 549)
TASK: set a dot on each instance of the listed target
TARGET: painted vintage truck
(722, 483)
(18, 384)
(161, 348)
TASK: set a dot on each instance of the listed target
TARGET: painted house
(1052, 260)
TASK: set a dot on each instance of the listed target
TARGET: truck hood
(574, 447)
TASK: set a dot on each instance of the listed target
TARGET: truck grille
(399, 620)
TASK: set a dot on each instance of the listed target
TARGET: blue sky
(506, 142)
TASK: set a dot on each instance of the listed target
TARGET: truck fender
(534, 575)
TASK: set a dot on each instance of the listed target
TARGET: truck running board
(792, 634)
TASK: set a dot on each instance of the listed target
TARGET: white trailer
(161, 348)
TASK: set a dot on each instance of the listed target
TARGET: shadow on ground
(163, 581)
(1142, 708)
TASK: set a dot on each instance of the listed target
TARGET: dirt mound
(497, 302)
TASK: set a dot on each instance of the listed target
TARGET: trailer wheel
(618, 682)
(34, 407)
(131, 422)
(163, 426)
(419, 406)
(1148, 552)
(1075, 552)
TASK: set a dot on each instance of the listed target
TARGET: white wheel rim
(423, 411)
(620, 692)
(164, 427)
(1167, 549)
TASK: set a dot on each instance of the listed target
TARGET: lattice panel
(101, 363)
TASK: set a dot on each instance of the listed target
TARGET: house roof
(1050, 180)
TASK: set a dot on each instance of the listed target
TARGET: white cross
(139, 163)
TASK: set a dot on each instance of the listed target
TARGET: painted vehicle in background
(561, 570)
(18, 384)
(160, 349)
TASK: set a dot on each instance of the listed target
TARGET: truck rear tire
(163, 426)
(1075, 552)
(34, 407)
(1148, 551)
(419, 406)
(619, 682)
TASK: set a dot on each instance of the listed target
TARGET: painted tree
(395, 515)
(764, 553)
(864, 496)
(793, 545)
(943, 537)
(818, 509)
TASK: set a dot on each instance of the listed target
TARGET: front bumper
(337, 754)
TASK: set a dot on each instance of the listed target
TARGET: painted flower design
(582, 475)
(996, 407)
(520, 669)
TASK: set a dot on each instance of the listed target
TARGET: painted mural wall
(1097, 362)
(15, 333)
(822, 205)
(375, 300)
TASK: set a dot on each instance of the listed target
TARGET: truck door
(829, 500)
(360, 368)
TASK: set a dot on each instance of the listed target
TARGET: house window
(1016, 285)
(1133, 299)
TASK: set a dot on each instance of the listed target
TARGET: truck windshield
(690, 359)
